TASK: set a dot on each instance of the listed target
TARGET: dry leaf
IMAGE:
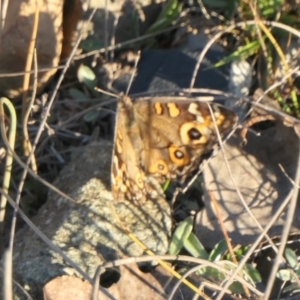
(263, 185)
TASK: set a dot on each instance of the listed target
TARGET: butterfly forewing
(163, 139)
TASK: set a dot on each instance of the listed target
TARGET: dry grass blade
(7, 278)
(222, 226)
(3, 10)
(129, 42)
(229, 246)
(40, 70)
(213, 287)
(27, 107)
(9, 158)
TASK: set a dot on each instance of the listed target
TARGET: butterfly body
(160, 138)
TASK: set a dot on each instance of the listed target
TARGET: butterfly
(161, 138)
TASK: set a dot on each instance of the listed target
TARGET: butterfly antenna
(106, 92)
(134, 71)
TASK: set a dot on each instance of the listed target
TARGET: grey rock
(87, 231)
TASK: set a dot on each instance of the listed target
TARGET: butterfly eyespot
(178, 155)
(159, 166)
(194, 134)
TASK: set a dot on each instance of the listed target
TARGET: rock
(16, 37)
(260, 180)
(89, 231)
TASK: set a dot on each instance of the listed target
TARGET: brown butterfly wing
(162, 138)
(177, 134)
(128, 179)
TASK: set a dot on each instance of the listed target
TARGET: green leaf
(166, 185)
(91, 116)
(239, 253)
(218, 251)
(292, 287)
(211, 272)
(167, 16)
(242, 52)
(194, 247)
(91, 44)
(269, 8)
(180, 235)
(77, 94)
(87, 77)
(291, 257)
(215, 3)
(284, 275)
(231, 7)
(252, 273)
(237, 288)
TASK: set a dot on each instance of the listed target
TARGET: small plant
(184, 238)
(291, 273)
(88, 79)
(271, 48)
